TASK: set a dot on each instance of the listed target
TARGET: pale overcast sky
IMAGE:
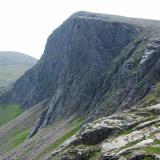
(26, 24)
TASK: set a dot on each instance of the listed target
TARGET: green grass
(95, 155)
(9, 112)
(126, 131)
(17, 134)
(156, 141)
(13, 139)
(75, 125)
(149, 158)
(152, 150)
(17, 139)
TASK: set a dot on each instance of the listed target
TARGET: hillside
(130, 135)
(92, 64)
(13, 65)
(99, 76)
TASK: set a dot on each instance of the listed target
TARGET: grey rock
(128, 143)
(141, 156)
(92, 64)
(82, 155)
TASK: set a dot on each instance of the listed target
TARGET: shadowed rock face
(88, 61)
(76, 56)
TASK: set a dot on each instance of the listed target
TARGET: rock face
(93, 64)
(94, 67)
(129, 142)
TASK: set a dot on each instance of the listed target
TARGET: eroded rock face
(97, 131)
(92, 64)
(76, 56)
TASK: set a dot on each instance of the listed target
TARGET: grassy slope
(43, 143)
(73, 126)
(13, 133)
(9, 112)
(14, 139)
(14, 128)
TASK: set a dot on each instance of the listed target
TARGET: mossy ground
(152, 150)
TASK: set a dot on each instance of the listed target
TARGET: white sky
(26, 24)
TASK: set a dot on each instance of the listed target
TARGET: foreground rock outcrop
(130, 135)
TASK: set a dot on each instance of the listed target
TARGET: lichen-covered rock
(97, 131)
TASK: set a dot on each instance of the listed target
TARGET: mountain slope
(14, 133)
(84, 55)
(130, 135)
(93, 64)
(13, 65)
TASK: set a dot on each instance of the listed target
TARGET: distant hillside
(13, 65)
